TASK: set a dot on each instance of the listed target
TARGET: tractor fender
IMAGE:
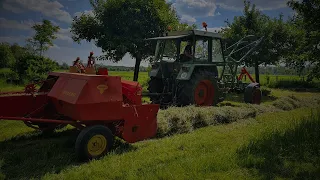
(249, 91)
(187, 70)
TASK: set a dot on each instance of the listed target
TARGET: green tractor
(192, 68)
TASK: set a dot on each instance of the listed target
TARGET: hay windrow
(176, 120)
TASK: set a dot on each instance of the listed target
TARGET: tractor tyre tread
(186, 97)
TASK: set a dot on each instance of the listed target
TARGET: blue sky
(17, 17)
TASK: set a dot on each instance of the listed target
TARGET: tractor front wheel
(93, 142)
(201, 90)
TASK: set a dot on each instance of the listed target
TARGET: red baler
(101, 106)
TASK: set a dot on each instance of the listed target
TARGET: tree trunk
(256, 68)
(41, 48)
(136, 68)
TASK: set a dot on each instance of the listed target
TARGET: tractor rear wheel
(201, 90)
(93, 142)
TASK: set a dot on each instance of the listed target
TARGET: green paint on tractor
(177, 79)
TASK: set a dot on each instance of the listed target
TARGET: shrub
(31, 67)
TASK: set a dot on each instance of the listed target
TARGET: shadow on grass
(33, 155)
(294, 154)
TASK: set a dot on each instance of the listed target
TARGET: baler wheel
(93, 142)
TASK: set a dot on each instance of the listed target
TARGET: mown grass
(191, 143)
(30, 154)
(176, 120)
(241, 150)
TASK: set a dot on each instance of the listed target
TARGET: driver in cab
(187, 54)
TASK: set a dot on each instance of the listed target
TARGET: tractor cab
(194, 46)
(176, 49)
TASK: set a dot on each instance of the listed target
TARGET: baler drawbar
(101, 106)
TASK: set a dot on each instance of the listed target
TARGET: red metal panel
(21, 105)
(88, 97)
(102, 89)
(140, 122)
(132, 91)
(67, 89)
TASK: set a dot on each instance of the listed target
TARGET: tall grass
(291, 152)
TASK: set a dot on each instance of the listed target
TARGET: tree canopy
(45, 34)
(254, 22)
(120, 27)
(6, 56)
(305, 29)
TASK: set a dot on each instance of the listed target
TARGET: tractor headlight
(184, 75)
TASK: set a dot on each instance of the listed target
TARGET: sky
(17, 17)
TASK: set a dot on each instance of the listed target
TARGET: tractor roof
(182, 34)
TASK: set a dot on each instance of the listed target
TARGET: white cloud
(65, 35)
(187, 19)
(195, 8)
(89, 12)
(260, 4)
(12, 24)
(55, 46)
(13, 39)
(51, 9)
(12, 8)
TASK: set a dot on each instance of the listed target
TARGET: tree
(7, 59)
(64, 66)
(253, 22)
(45, 34)
(121, 26)
(306, 25)
(32, 67)
(18, 51)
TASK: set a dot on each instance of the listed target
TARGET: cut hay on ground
(177, 120)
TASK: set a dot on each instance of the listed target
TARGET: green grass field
(275, 140)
